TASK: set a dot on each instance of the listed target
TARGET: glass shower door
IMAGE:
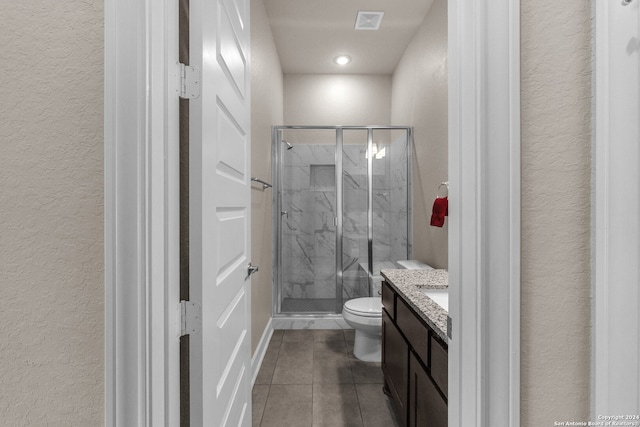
(341, 213)
(308, 221)
(389, 191)
(355, 242)
(375, 217)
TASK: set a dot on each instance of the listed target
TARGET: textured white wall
(51, 213)
(419, 99)
(556, 188)
(266, 110)
(331, 99)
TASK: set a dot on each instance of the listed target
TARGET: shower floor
(308, 305)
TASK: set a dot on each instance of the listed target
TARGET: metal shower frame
(276, 153)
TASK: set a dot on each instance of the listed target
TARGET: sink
(439, 296)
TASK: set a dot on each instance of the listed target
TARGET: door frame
(616, 199)
(141, 217)
(484, 212)
(141, 166)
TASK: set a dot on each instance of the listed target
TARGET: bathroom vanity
(414, 345)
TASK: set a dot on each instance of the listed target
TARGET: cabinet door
(439, 366)
(395, 365)
(427, 408)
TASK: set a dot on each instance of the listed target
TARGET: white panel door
(220, 355)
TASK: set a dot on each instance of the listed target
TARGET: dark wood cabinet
(414, 330)
(426, 407)
(395, 354)
(415, 364)
(440, 365)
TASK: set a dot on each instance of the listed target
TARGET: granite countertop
(408, 283)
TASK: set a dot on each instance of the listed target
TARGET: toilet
(365, 316)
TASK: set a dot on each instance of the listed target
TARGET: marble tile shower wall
(309, 197)
(308, 240)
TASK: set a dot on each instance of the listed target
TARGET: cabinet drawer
(388, 300)
(415, 331)
(439, 366)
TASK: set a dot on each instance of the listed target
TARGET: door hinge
(189, 87)
(190, 318)
(449, 327)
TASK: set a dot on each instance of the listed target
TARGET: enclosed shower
(341, 213)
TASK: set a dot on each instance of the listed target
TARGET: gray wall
(266, 110)
(51, 214)
(329, 99)
(420, 100)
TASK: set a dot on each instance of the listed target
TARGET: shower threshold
(309, 321)
(308, 305)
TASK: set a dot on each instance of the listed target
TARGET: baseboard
(261, 350)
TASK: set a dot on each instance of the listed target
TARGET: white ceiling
(310, 33)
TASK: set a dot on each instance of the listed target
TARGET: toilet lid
(369, 307)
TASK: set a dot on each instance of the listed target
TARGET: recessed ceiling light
(342, 59)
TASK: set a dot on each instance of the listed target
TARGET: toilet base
(367, 347)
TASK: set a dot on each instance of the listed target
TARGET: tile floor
(311, 378)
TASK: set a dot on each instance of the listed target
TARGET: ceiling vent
(368, 20)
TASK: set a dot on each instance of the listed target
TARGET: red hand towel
(440, 210)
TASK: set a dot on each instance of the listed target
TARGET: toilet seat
(365, 307)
